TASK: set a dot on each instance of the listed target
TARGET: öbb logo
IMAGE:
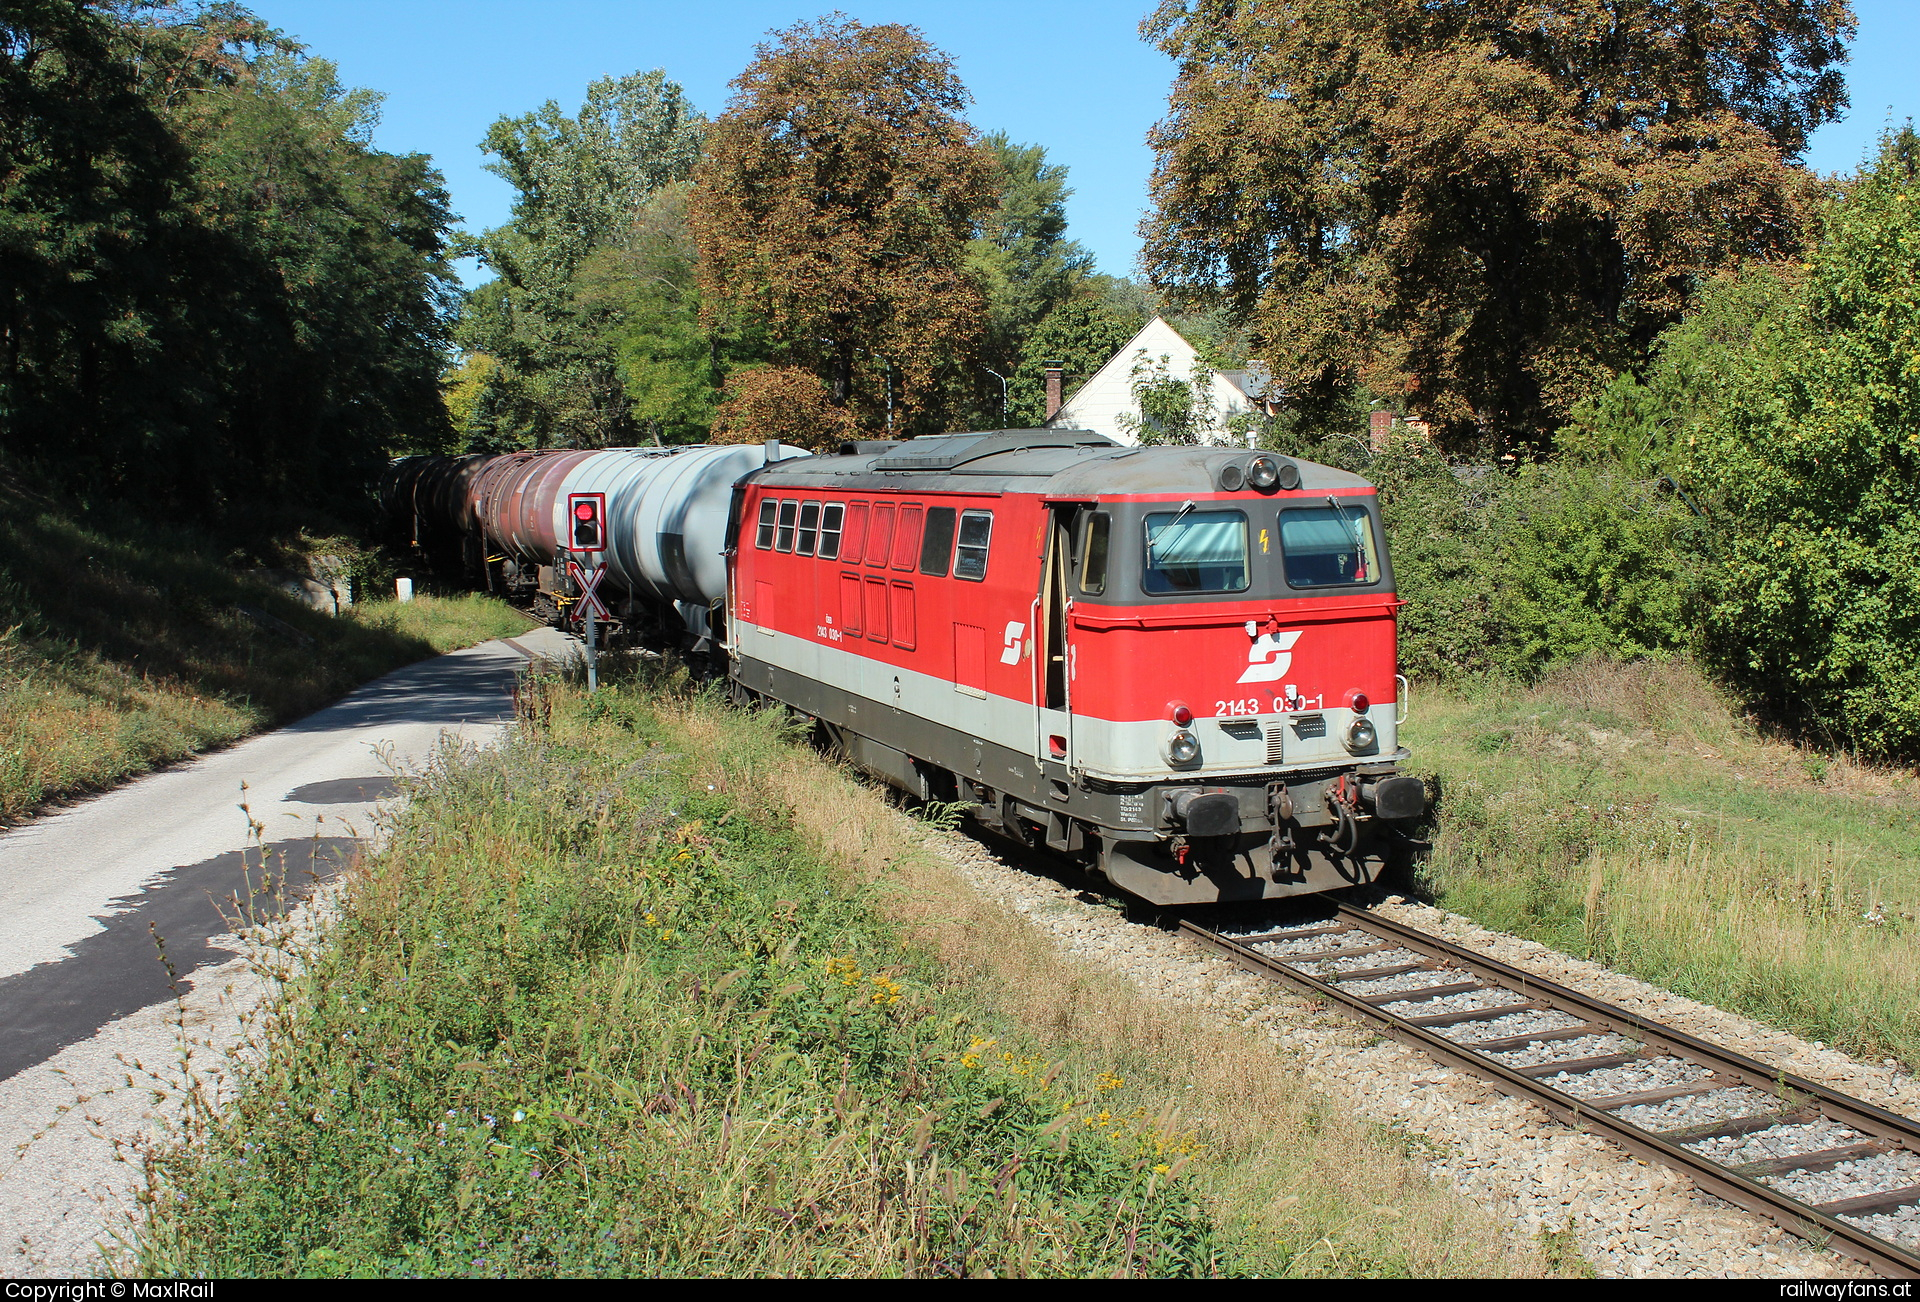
(1270, 656)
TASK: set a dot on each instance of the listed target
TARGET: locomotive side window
(809, 528)
(783, 538)
(906, 543)
(880, 537)
(764, 538)
(1196, 551)
(1325, 546)
(1093, 553)
(831, 516)
(976, 529)
(856, 536)
(937, 546)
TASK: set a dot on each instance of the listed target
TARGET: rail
(1370, 966)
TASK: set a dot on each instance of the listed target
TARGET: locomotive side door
(1053, 731)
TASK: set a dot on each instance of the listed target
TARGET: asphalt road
(117, 914)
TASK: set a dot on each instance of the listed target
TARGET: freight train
(1174, 664)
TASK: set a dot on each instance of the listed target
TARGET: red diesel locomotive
(1176, 663)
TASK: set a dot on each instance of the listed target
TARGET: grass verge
(1626, 814)
(124, 646)
(653, 990)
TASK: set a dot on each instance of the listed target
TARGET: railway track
(1834, 1170)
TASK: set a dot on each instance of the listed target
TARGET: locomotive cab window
(763, 539)
(1196, 551)
(831, 516)
(783, 537)
(1327, 546)
(976, 530)
(1093, 553)
(809, 528)
(936, 544)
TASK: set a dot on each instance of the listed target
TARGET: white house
(1107, 395)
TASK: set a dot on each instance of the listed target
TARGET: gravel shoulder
(1628, 1218)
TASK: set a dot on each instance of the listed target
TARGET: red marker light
(1358, 702)
(583, 510)
(1181, 714)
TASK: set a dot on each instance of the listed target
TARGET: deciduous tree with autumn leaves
(833, 208)
(1481, 209)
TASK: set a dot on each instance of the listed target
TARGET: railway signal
(588, 583)
(588, 604)
(587, 522)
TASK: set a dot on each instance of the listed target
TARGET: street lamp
(1003, 390)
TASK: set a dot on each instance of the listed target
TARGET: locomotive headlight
(1263, 473)
(1232, 477)
(1361, 736)
(1182, 747)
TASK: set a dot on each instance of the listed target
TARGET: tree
(1488, 208)
(1808, 459)
(1081, 334)
(781, 402)
(835, 203)
(584, 183)
(1022, 260)
(1172, 410)
(214, 293)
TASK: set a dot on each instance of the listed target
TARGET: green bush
(1514, 571)
(1787, 406)
(1818, 465)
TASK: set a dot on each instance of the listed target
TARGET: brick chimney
(1055, 373)
(1379, 427)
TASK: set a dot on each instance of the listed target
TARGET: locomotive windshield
(1196, 551)
(1325, 546)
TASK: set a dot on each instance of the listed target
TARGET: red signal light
(1179, 713)
(1358, 702)
(589, 513)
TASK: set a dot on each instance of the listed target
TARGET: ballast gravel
(1357, 962)
(1629, 1218)
(1779, 1141)
(1424, 979)
(1655, 1073)
(1296, 945)
(1869, 1175)
(1499, 1028)
(1464, 1002)
(1901, 1225)
(1541, 1052)
(1699, 1109)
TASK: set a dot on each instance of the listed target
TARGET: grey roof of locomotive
(1058, 463)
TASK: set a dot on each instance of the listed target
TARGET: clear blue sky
(1072, 76)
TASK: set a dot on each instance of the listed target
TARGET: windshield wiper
(1356, 529)
(1157, 545)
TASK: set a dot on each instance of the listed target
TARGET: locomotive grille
(1276, 743)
